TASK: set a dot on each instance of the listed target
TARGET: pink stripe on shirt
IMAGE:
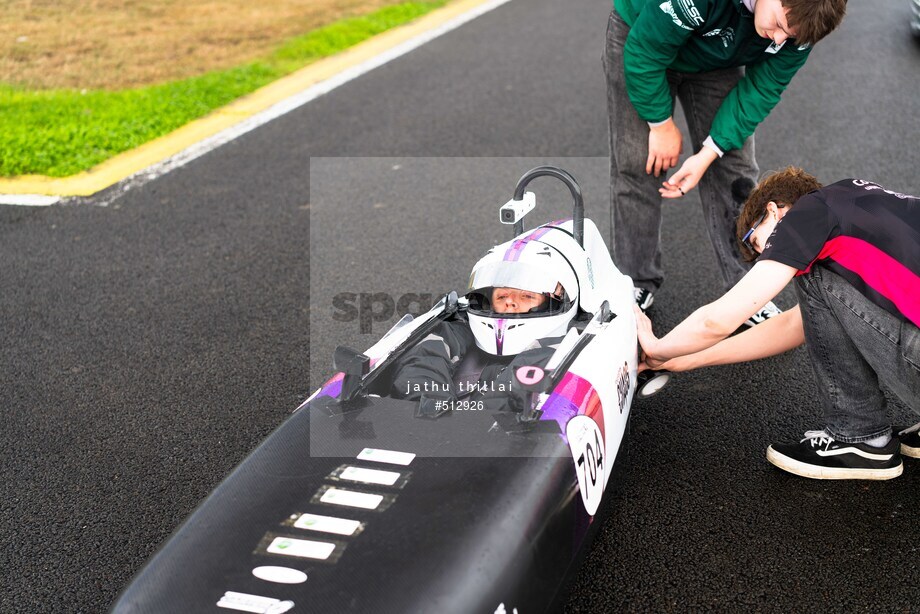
(878, 270)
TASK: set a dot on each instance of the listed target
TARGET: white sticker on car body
(350, 498)
(586, 443)
(386, 456)
(327, 524)
(244, 602)
(301, 548)
(370, 476)
(279, 575)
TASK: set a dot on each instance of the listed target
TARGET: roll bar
(565, 177)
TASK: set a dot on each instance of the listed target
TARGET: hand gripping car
(363, 501)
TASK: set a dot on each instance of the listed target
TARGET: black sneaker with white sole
(910, 439)
(644, 298)
(765, 313)
(821, 457)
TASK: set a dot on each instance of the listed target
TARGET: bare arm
(712, 323)
(777, 335)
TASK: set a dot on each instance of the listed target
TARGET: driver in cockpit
(521, 303)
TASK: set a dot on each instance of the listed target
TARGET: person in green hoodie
(728, 61)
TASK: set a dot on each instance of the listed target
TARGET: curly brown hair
(782, 187)
(812, 20)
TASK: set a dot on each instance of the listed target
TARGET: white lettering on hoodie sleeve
(669, 9)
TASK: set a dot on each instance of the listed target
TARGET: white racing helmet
(532, 266)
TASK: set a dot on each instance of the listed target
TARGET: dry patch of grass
(114, 44)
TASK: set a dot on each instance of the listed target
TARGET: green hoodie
(701, 35)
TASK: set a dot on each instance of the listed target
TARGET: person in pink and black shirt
(853, 249)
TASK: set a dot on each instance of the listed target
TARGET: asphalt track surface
(149, 345)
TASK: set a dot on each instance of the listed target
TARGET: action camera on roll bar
(515, 210)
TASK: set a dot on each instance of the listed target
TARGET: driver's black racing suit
(432, 363)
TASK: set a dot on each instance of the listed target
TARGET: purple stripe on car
(333, 387)
(514, 252)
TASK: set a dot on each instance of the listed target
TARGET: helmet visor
(509, 274)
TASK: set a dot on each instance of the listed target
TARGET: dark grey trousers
(634, 199)
(854, 346)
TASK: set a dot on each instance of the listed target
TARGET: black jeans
(635, 204)
(855, 346)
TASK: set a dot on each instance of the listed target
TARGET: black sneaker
(644, 298)
(821, 457)
(766, 312)
(910, 439)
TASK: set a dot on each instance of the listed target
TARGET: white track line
(29, 200)
(275, 111)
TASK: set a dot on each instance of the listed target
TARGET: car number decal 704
(587, 445)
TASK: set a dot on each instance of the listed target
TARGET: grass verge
(62, 132)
